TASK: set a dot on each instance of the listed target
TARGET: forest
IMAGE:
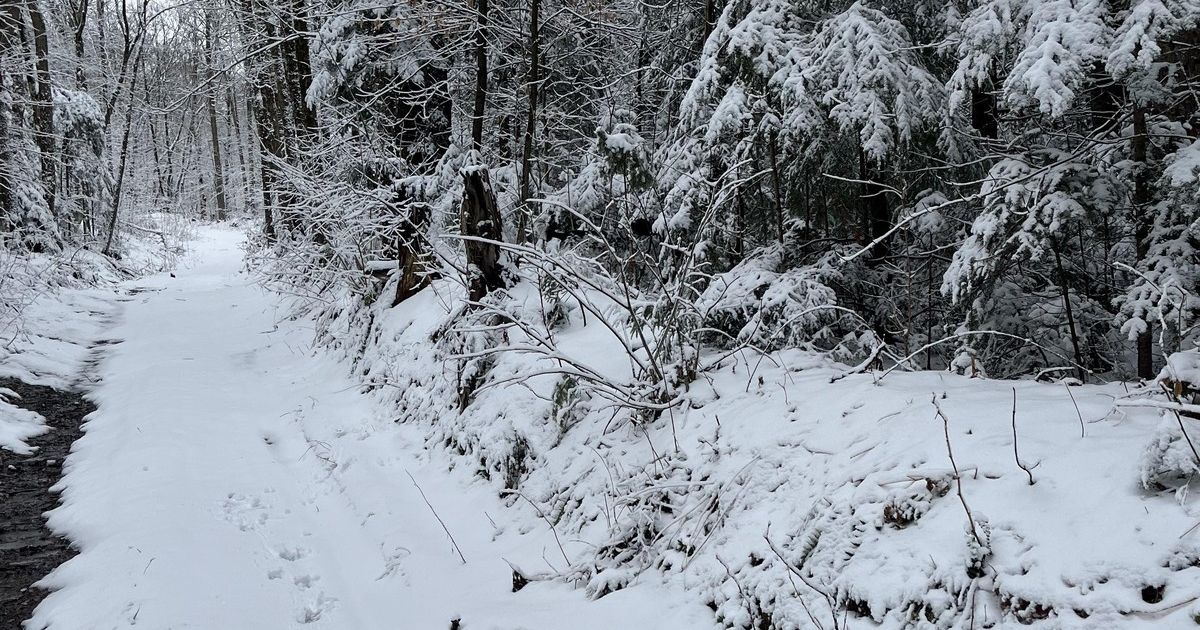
(564, 240)
(998, 187)
(991, 186)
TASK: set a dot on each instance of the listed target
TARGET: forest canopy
(994, 186)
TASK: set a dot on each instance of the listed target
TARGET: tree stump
(481, 220)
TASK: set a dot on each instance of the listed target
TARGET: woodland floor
(233, 477)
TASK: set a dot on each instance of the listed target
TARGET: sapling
(1016, 455)
(957, 475)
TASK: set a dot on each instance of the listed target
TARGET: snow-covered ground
(238, 476)
(55, 309)
(783, 493)
(48, 335)
(234, 478)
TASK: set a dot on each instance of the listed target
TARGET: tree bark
(10, 22)
(983, 112)
(258, 30)
(481, 72)
(532, 85)
(480, 218)
(1070, 313)
(876, 216)
(710, 18)
(43, 109)
(306, 117)
(218, 170)
(124, 156)
(235, 132)
(776, 188)
(79, 22)
(1141, 217)
(411, 253)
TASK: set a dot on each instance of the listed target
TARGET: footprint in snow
(245, 512)
(313, 611)
(305, 582)
(292, 554)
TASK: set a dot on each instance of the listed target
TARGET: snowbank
(54, 309)
(785, 500)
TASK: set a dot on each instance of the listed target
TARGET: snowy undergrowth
(788, 494)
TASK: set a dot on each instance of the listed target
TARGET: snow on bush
(1168, 461)
(1182, 372)
(764, 303)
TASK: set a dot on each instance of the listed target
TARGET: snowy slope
(234, 478)
(781, 499)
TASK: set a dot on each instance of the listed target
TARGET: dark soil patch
(28, 550)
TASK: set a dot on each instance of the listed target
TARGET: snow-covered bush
(767, 305)
(1163, 292)
(1169, 460)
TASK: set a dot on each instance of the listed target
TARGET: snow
(53, 315)
(1061, 40)
(238, 474)
(17, 424)
(851, 480)
(1183, 368)
(233, 478)
(1182, 170)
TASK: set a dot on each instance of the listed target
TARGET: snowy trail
(232, 479)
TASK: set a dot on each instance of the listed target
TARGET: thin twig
(1016, 455)
(1082, 431)
(957, 477)
(548, 523)
(794, 571)
(439, 518)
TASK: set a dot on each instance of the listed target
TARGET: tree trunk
(411, 253)
(983, 112)
(1070, 312)
(267, 113)
(79, 22)
(1141, 217)
(306, 117)
(710, 19)
(481, 219)
(532, 86)
(43, 109)
(255, 131)
(10, 23)
(777, 189)
(160, 189)
(875, 214)
(218, 170)
(481, 72)
(124, 156)
(235, 131)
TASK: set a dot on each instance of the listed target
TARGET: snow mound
(1182, 370)
(17, 424)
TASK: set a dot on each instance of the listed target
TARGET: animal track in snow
(292, 554)
(313, 611)
(305, 582)
(246, 512)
